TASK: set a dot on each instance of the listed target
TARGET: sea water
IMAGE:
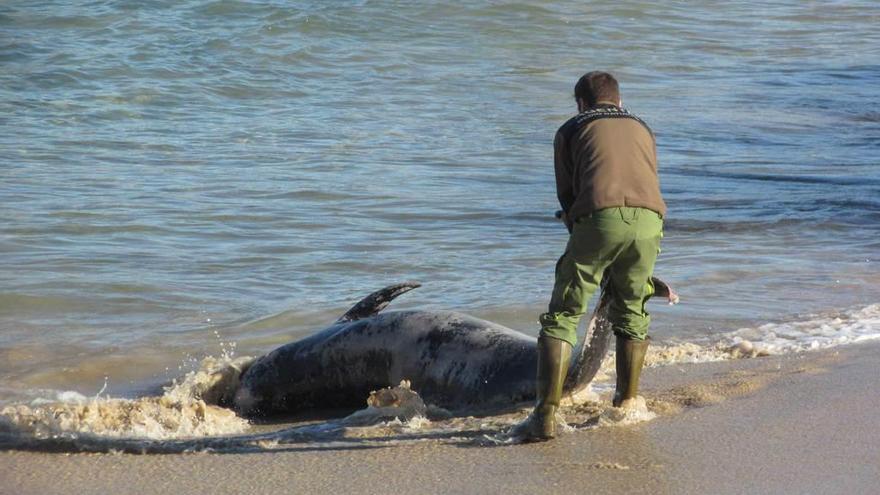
(196, 178)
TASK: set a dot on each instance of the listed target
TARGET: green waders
(626, 241)
(553, 357)
(629, 360)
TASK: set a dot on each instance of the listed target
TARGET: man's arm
(564, 180)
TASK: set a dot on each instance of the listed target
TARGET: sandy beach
(802, 423)
(188, 186)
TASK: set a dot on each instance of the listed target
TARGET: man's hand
(560, 214)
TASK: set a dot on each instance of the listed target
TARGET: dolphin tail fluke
(377, 301)
(588, 357)
(662, 289)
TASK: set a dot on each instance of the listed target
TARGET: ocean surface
(203, 178)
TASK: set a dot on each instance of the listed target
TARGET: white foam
(631, 412)
(819, 332)
(812, 333)
(187, 409)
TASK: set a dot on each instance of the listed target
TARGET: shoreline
(789, 423)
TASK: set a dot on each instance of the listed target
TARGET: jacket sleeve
(564, 170)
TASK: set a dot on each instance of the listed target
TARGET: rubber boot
(553, 358)
(630, 358)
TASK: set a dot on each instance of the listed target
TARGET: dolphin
(454, 361)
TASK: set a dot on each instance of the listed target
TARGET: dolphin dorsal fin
(376, 301)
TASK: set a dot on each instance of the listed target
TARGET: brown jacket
(606, 157)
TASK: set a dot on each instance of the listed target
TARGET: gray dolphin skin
(454, 361)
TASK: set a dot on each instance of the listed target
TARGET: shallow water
(186, 419)
(179, 175)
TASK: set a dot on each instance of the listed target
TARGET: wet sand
(783, 424)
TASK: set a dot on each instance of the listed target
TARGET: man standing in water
(606, 181)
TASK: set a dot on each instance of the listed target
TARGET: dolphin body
(453, 360)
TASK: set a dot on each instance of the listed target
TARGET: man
(606, 181)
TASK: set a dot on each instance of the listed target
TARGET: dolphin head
(245, 402)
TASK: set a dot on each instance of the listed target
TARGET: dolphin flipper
(376, 301)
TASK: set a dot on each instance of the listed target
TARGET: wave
(812, 333)
(835, 180)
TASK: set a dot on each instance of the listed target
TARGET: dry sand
(803, 423)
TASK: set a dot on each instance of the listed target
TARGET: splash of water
(188, 408)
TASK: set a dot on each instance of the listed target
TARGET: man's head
(594, 88)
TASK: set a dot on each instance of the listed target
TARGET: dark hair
(597, 86)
